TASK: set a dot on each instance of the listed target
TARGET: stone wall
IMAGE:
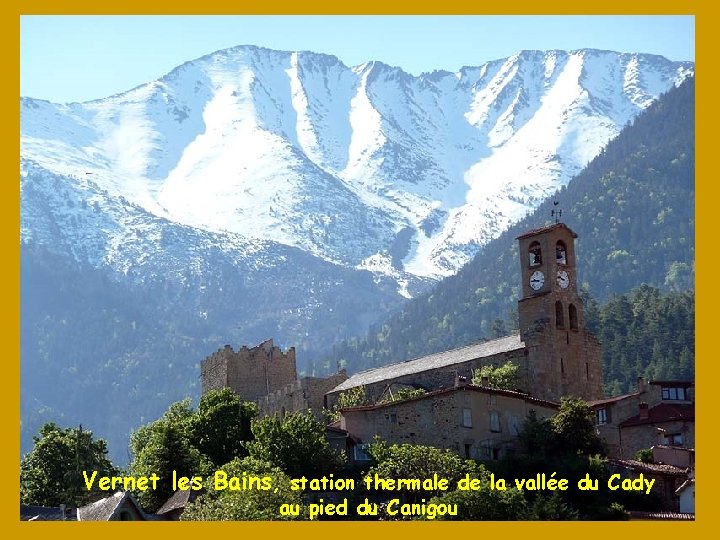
(307, 393)
(476, 422)
(561, 362)
(250, 373)
(634, 438)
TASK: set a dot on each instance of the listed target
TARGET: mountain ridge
(633, 210)
(429, 158)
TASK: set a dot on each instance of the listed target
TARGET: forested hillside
(633, 209)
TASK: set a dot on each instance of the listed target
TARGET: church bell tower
(564, 358)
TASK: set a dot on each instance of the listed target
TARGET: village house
(658, 413)
(473, 421)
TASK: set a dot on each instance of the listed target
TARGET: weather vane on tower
(556, 212)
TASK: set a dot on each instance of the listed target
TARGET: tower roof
(549, 228)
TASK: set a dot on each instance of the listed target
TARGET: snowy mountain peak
(355, 165)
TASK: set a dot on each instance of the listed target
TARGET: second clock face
(537, 280)
(563, 279)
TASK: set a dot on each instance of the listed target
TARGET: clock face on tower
(563, 280)
(537, 280)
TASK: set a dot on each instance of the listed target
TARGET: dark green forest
(633, 210)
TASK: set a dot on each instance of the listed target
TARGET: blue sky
(78, 58)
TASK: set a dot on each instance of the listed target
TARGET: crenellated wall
(307, 393)
(250, 373)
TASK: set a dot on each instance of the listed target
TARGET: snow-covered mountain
(366, 167)
(254, 193)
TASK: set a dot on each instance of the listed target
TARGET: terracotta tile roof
(433, 361)
(661, 515)
(649, 468)
(665, 412)
(686, 484)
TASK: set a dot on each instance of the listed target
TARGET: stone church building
(555, 353)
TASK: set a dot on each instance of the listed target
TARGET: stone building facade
(658, 413)
(555, 354)
(564, 358)
(473, 421)
(250, 373)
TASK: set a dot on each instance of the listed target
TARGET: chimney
(640, 385)
(643, 411)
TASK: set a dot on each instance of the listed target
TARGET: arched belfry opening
(560, 252)
(559, 315)
(535, 254)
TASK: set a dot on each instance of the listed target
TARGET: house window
(561, 252)
(535, 254)
(673, 393)
(467, 450)
(495, 453)
(514, 425)
(393, 418)
(494, 421)
(602, 416)
(361, 452)
(673, 439)
(559, 317)
(467, 417)
(573, 317)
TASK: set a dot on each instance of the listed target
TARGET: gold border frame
(706, 370)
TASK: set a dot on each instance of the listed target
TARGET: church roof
(433, 361)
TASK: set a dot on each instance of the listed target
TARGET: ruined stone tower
(250, 373)
(563, 357)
